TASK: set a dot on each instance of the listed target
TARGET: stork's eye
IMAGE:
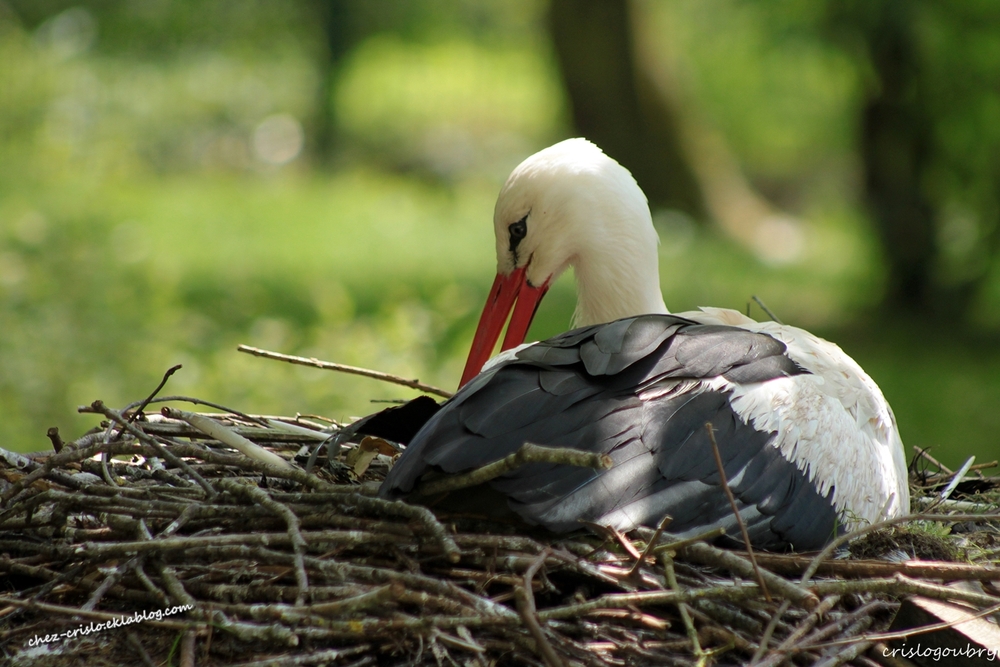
(517, 231)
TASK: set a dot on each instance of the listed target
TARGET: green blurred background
(318, 178)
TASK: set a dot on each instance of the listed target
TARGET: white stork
(810, 446)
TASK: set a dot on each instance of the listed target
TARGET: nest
(155, 539)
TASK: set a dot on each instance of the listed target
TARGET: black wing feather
(581, 390)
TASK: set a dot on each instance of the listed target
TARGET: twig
(322, 657)
(228, 437)
(736, 510)
(642, 598)
(900, 585)
(777, 653)
(113, 415)
(95, 615)
(650, 545)
(677, 545)
(704, 553)
(765, 638)
(864, 530)
(187, 648)
(133, 639)
(845, 621)
(416, 513)
(926, 503)
(787, 564)
(925, 453)
(53, 435)
(295, 536)
(526, 608)
(342, 368)
(668, 568)
(911, 632)
(67, 455)
(767, 310)
(528, 453)
(359, 603)
(159, 387)
(84, 409)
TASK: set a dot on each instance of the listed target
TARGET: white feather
(833, 423)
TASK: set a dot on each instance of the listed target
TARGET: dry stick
(609, 533)
(791, 565)
(68, 455)
(528, 453)
(416, 513)
(911, 632)
(354, 370)
(728, 592)
(678, 545)
(187, 648)
(323, 657)
(353, 605)
(133, 639)
(768, 632)
(833, 659)
(649, 545)
(260, 497)
(96, 615)
(736, 511)
(709, 555)
(53, 435)
(159, 387)
(767, 310)
(245, 631)
(727, 633)
(864, 530)
(778, 653)
(526, 607)
(847, 620)
(187, 399)
(112, 434)
(933, 504)
(668, 568)
(138, 434)
(22, 462)
(113, 578)
(923, 453)
(227, 437)
(900, 585)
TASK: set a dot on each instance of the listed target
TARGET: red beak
(506, 290)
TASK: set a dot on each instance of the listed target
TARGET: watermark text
(116, 622)
(938, 652)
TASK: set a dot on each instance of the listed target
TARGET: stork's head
(568, 205)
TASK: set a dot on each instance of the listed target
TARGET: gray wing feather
(581, 390)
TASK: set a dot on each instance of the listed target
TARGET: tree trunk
(615, 103)
(340, 36)
(895, 147)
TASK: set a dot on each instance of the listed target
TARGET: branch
(736, 510)
(528, 453)
(343, 368)
(225, 436)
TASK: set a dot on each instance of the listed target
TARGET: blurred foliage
(158, 204)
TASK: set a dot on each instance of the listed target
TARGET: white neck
(618, 277)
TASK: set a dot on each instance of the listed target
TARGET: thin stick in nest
(343, 368)
(528, 453)
(736, 511)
